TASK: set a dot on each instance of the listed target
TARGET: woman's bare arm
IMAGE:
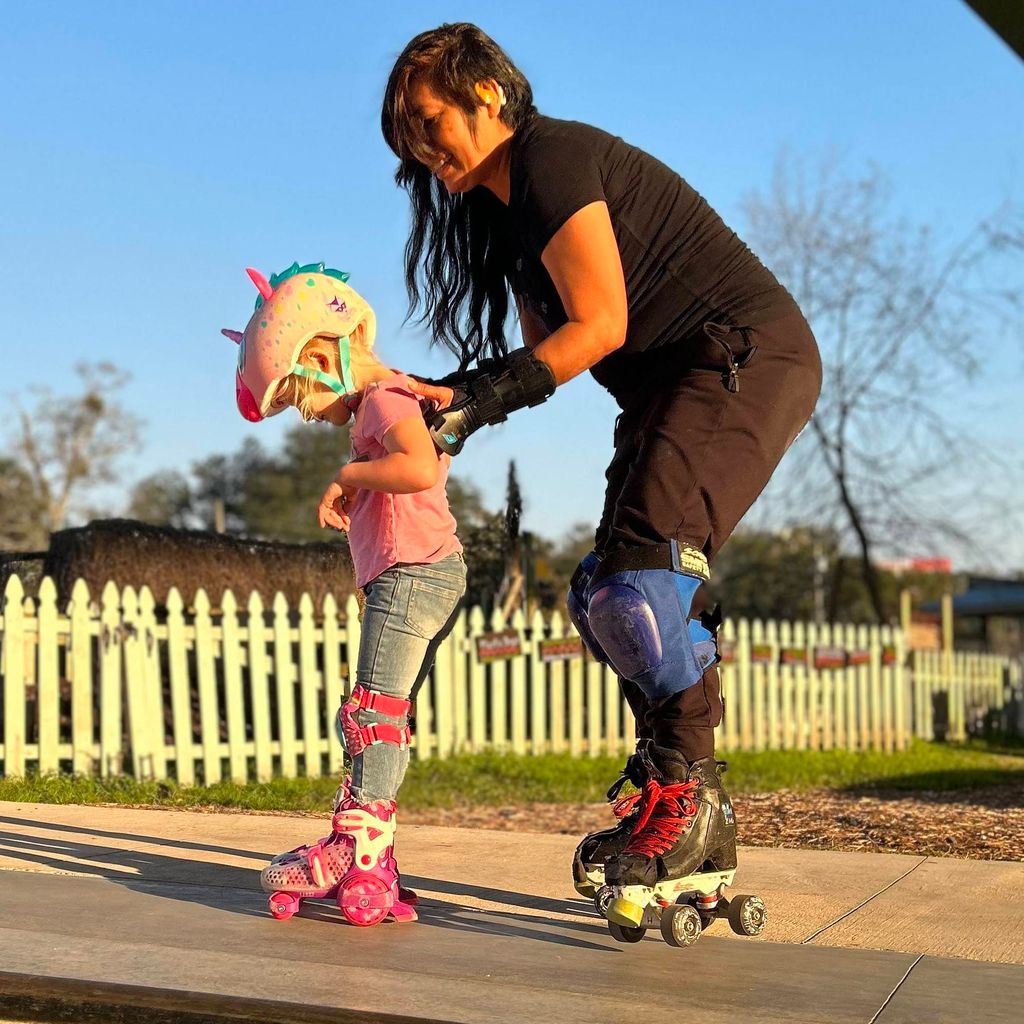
(586, 268)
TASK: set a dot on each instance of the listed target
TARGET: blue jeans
(410, 609)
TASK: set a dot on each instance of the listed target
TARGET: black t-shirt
(683, 266)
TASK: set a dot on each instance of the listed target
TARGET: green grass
(494, 779)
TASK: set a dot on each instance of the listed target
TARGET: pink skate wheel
(283, 905)
(364, 900)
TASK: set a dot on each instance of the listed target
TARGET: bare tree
(21, 525)
(67, 445)
(903, 319)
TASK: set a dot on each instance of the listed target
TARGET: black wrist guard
(519, 381)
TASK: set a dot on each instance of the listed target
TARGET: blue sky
(152, 151)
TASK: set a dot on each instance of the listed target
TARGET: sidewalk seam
(863, 903)
(899, 985)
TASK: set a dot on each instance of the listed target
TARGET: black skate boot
(682, 847)
(596, 848)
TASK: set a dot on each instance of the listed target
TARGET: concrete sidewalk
(162, 909)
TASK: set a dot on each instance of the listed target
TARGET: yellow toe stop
(625, 913)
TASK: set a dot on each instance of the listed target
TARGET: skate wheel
(365, 900)
(282, 905)
(707, 917)
(602, 900)
(747, 915)
(620, 933)
(680, 925)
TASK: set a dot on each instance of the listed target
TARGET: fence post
(14, 679)
(259, 684)
(477, 685)
(231, 655)
(284, 687)
(456, 644)
(332, 682)
(135, 695)
(152, 681)
(111, 688)
(309, 688)
(181, 698)
(209, 712)
(538, 689)
(499, 689)
(79, 664)
(47, 689)
(556, 675)
(747, 637)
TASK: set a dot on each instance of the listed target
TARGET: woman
(618, 267)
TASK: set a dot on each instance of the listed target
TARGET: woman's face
(460, 150)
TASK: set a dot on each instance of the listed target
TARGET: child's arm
(412, 463)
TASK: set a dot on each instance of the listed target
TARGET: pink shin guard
(358, 737)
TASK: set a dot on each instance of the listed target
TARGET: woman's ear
(491, 96)
(358, 335)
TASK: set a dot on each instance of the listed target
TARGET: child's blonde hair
(300, 391)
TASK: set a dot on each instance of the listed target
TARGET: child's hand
(335, 506)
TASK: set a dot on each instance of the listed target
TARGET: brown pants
(691, 456)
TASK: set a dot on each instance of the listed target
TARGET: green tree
(164, 498)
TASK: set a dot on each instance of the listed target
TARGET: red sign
(829, 657)
(888, 655)
(495, 646)
(793, 656)
(561, 648)
(762, 654)
(859, 658)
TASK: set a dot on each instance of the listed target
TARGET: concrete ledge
(40, 999)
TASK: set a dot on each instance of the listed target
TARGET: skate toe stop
(623, 912)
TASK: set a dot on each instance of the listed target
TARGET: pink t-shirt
(388, 529)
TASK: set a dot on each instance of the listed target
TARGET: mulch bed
(981, 824)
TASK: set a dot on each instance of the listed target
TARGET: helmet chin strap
(342, 388)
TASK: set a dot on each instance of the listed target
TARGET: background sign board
(495, 646)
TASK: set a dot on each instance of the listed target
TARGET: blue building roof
(987, 597)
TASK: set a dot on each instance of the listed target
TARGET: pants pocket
(430, 606)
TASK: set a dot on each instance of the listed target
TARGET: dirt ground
(982, 824)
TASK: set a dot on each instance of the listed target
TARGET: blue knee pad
(576, 601)
(641, 619)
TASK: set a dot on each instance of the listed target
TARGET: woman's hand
(436, 393)
(336, 504)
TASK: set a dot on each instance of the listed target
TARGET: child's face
(325, 405)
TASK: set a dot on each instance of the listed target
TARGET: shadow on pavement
(234, 889)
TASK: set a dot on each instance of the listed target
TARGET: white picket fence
(249, 692)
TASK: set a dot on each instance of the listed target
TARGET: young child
(309, 345)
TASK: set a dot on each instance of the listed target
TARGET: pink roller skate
(355, 864)
(286, 869)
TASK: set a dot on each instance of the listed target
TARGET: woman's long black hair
(456, 258)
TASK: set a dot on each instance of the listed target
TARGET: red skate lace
(665, 812)
(626, 805)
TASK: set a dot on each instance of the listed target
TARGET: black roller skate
(595, 849)
(679, 859)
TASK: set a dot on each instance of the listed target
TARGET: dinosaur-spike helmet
(294, 306)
